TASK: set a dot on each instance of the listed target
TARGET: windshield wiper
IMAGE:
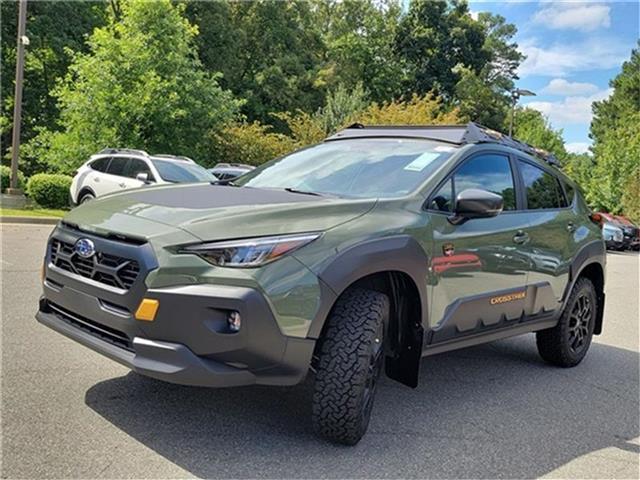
(303, 192)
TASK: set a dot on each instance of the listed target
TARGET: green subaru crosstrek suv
(377, 247)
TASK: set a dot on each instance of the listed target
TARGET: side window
(117, 166)
(101, 164)
(443, 200)
(491, 172)
(543, 189)
(136, 166)
(571, 193)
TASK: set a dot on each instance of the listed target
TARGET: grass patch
(32, 212)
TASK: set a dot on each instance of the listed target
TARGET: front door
(479, 269)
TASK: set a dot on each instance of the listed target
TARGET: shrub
(251, 143)
(49, 190)
(426, 110)
(5, 176)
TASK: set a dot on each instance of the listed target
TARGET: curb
(31, 220)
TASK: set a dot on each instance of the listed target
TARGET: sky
(573, 49)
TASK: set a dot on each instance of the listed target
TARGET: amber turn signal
(147, 310)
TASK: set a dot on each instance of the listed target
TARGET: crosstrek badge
(508, 298)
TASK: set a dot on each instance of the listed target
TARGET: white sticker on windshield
(419, 163)
(444, 148)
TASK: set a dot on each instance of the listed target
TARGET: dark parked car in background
(229, 171)
(630, 232)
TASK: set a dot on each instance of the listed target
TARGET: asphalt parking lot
(493, 411)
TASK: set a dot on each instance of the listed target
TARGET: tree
(616, 140)
(483, 96)
(534, 128)
(53, 28)
(434, 38)
(359, 36)
(269, 53)
(141, 86)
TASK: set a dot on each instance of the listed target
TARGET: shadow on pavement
(489, 411)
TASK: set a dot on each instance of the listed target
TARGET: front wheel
(349, 365)
(566, 344)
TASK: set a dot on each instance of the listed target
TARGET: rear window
(543, 189)
(100, 164)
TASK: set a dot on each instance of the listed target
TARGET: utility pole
(17, 98)
(515, 96)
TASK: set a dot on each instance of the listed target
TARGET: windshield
(363, 168)
(182, 172)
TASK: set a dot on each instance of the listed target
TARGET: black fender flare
(592, 253)
(398, 253)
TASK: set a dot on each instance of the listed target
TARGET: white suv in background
(116, 169)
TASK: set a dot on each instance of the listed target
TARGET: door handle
(571, 227)
(122, 185)
(521, 237)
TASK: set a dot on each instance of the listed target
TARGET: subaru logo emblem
(85, 248)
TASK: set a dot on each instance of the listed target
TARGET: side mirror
(143, 177)
(475, 203)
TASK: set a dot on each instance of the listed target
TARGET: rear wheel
(350, 361)
(87, 197)
(566, 344)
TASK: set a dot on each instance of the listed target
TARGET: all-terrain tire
(566, 344)
(350, 361)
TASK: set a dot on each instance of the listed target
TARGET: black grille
(103, 332)
(108, 269)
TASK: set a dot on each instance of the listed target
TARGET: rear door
(113, 180)
(95, 179)
(479, 268)
(553, 226)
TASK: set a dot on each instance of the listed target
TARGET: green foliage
(531, 127)
(5, 178)
(419, 110)
(269, 53)
(251, 143)
(140, 86)
(359, 38)
(433, 38)
(49, 190)
(616, 146)
(341, 106)
(631, 197)
(53, 28)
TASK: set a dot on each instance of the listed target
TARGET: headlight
(251, 252)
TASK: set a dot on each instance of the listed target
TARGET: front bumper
(189, 341)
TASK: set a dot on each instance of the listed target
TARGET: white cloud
(560, 86)
(577, 147)
(473, 14)
(571, 110)
(586, 17)
(559, 60)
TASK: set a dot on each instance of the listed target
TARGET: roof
(471, 133)
(142, 153)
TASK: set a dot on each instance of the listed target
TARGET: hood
(217, 212)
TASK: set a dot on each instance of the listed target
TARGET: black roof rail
(471, 133)
(123, 150)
